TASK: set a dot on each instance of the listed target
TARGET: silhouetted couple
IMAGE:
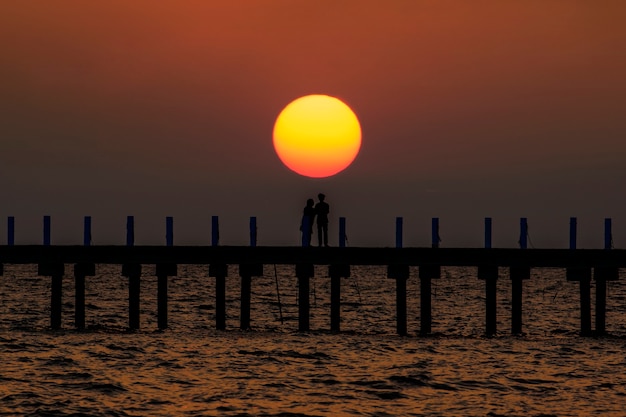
(319, 211)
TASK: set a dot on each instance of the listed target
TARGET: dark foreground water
(191, 369)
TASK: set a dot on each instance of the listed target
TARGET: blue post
(11, 231)
(572, 232)
(342, 232)
(169, 231)
(488, 232)
(46, 230)
(306, 231)
(608, 235)
(130, 231)
(435, 232)
(523, 236)
(87, 231)
(398, 232)
(252, 231)
(215, 231)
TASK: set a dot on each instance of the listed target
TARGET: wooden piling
(220, 272)
(600, 306)
(304, 272)
(336, 272)
(517, 274)
(246, 272)
(133, 272)
(163, 271)
(55, 271)
(81, 270)
(583, 276)
(400, 273)
(489, 274)
(426, 274)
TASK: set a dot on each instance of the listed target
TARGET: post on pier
(336, 272)
(87, 231)
(489, 274)
(518, 275)
(215, 231)
(306, 231)
(487, 232)
(523, 233)
(11, 231)
(435, 240)
(342, 232)
(169, 231)
(46, 230)
(253, 231)
(601, 276)
(582, 274)
(398, 232)
(55, 271)
(304, 272)
(130, 231)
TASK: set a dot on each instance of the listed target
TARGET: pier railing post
(130, 231)
(304, 272)
(601, 276)
(169, 231)
(87, 231)
(11, 231)
(487, 232)
(342, 232)
(215, 231)
(336, 272)
(46, 230)
(253, 231)
(523, 234)
(583, 276)
(435, 232)
(489, 274)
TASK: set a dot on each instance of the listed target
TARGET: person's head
(310, 202)
(321, 196)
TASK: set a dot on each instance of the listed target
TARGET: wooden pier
(581, 265)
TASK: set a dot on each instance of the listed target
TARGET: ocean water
(273, 370)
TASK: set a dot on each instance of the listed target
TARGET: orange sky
(468, 109)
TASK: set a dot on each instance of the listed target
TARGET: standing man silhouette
(321, 212)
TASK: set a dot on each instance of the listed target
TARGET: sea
(192, 369)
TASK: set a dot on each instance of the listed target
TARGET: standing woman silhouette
(321, 211)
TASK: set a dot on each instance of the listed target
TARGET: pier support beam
(426, 274)
(220, 272)
(55, 271)
(133, 273)
(583, 276)
(163, 271)
(517, 274)
(304, 272)
(489, 274)
(400, 273)
(81, 270)
(336, 272)
(246, 272)
(601, 276)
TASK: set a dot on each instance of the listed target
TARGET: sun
(317, 136)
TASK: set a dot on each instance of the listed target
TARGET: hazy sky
(468, 109)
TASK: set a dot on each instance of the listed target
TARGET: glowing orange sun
(317, 136)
